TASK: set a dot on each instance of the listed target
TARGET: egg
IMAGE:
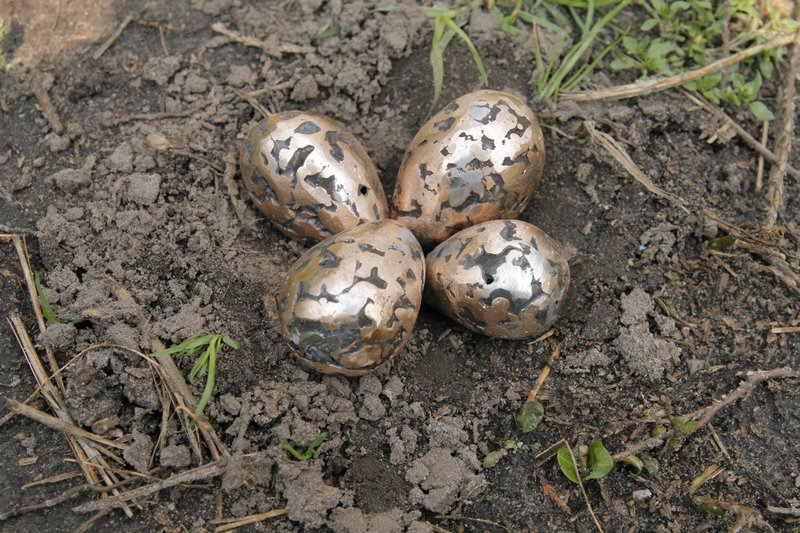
(502, 278)
(310, 176)
(349, 304)
(480, 158)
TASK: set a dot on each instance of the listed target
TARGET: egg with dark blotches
(310, 176)
(502, 278)
(480, 158)
(349, 304)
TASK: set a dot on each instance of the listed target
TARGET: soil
(101, 209)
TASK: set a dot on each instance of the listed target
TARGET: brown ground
(102, 209)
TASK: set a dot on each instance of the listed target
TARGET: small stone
(372, 409)
(695, 366)
(175, 456)
(161, 69)
(641, 495)
(138, 452)
(143, 188)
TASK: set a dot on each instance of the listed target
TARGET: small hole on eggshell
(488, 279)
(363, 190)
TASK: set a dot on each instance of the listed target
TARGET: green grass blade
(578, 77)
(472, 50)
(187, 347)
(209, 388)
(47, 311)
(576, 52)
(230, 342)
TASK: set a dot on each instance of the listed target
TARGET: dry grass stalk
(768, 154)
(22, 254)
(704, 416)
(543, 375)
(206, 471)
(618, 152)
(84, 450)
(652, 85)
(229, 524)
(65, 427)
(760, 164)
(783, 143)
(254, 42)
(58, 478)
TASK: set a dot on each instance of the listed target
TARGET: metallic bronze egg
(502, 278)
(349, 304)
(310, 176)
(480, 158)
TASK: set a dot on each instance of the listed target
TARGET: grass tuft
(206, 363)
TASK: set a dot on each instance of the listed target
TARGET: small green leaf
(723, 243)
(529, 416)
(658, 430)
(635, 462)
(708, 82)
(567, 465)
(600, 461)
(492, 458)
(761, 112)
(649, 24)
(622, 63)
(630, 43)
(712, 508)
(310, 452)
(683, 427)
(329, 32)
(47, 311)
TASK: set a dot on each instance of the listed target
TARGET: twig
(51, 502)
(48, 109)
(760, 164)
(543, 375)
(621, 156)
(55, 423)
(228, 524)
(583, 489)
(783, 143)
(746, 137)
(206, 471)
(251, 99)
(273, 51)
(158, 116)
(22, 254)
(705, 415)
(652, 85)
(113, 37)
(83, 449)
(470, 519)
(58, 478)
(785, 329)
(786, 511)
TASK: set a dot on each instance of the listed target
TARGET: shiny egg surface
(480, 158)
(349, 304)
(310, 176)
(502, 278)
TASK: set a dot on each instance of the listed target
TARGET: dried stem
(768, 154)
(705, 415)
(543, 375)
(652, 85)
(783, 143)
(619, 153)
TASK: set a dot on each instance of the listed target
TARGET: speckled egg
(310, 176)
(502, 278)
(349, 304)
(480, 158)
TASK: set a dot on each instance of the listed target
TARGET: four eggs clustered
(349, 303)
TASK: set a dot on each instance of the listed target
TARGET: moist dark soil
(654, 325)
